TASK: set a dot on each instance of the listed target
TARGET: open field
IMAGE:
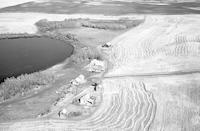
(171, 44)
(152, 81)
(136, 104)
(163, 53)
(107, 7)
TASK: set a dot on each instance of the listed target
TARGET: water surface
(27, 55)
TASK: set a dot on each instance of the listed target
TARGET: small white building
(79, 80)
(96, 66)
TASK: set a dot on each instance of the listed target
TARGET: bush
(22, 84)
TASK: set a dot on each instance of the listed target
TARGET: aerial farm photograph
(99, 65)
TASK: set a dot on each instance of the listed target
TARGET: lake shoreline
(48, 74)
(87, 47)
(37, 35)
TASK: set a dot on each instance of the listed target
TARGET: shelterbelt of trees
(18, 35)
(13, 87)
(45, 25)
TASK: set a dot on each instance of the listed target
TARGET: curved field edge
(126, 105)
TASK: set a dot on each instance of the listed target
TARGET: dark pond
(19, 56)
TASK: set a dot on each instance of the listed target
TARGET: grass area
(21, 85)
(94, 37)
